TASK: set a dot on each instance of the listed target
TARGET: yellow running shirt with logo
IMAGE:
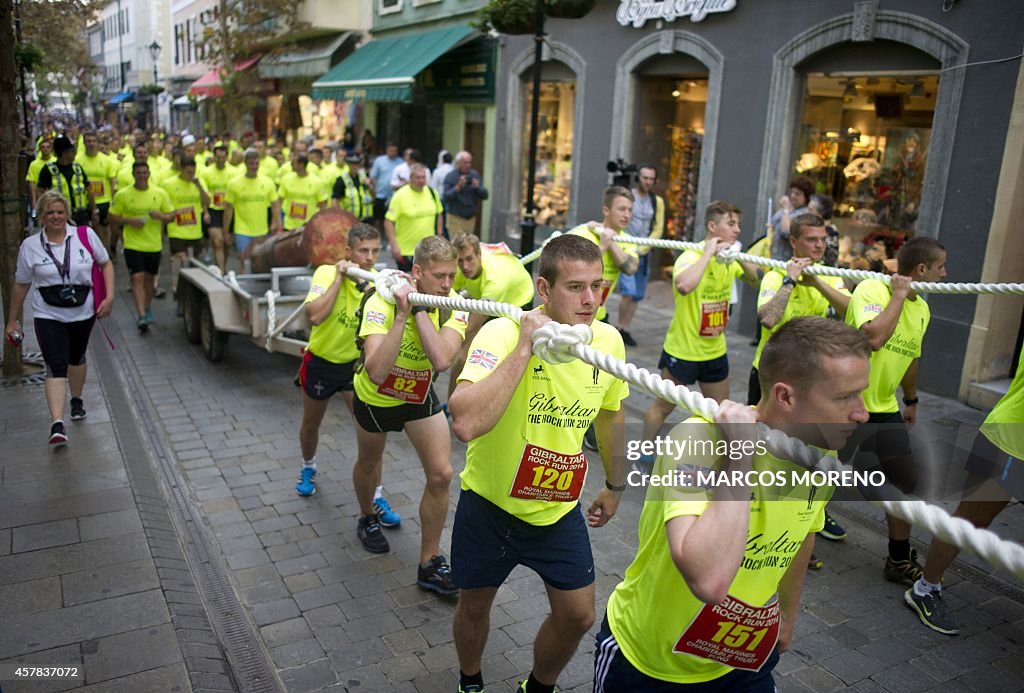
(531, 463)
(502, 277)
(412, 373)
(334, 339)
(609, 270)
(659, 625)
(890, 363)
(300, 196)
(131, 202)
(804, 300)
(216, 182)
(251, 198)
(414, 215)
(1004, 425)
(697, 330)
(35, 167)
(99, 169)
(188, 209)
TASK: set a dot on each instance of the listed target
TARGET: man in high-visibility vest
(68, 176)
(352, 191)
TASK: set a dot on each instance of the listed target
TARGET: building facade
(901, 111)
(128, 29)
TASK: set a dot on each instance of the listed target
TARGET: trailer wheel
(191, 314)
(215, 342)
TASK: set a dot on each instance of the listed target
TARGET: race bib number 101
(713, 318)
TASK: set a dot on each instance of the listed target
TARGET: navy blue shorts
(690, 372)
(487, 543)
(882, 442)
(613, 673)
(635, 285)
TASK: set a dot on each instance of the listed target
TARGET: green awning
(312, 59)
(385, 69)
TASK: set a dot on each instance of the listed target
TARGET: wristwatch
(420, 309)
(789, 281)
(910, 401)
(612, 487)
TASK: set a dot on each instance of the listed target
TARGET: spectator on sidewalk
(648, 221)
(58, 265)
(463, 192)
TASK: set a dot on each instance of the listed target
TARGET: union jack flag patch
(375, 317)
(483, 358)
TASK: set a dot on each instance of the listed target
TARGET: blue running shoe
(385, 515)
(307, 482)
(149, 316)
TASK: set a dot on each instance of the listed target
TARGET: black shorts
(81, 217)
(987, 461)
(216, 218)
(139, 261)
(753, 388)
(393, 419)
(488, 543)
(613, 672)
(63, 344)
(380, 208)
(182, 245)
(690, 372)
(883, 443)
(104, 210)
(320, 378)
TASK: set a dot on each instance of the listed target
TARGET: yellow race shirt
(1004, 425)
(132, 202)
(330, 173)
(216, 180)
(251, 197)
(414, 215)
(300, 196)
(99, 169)
(531, 463)
(411, 376)
(188, 209)
(890, 363)
(202, 158)
(334, 339)
(159, 177)
(804, 300)
(502, 277)
(609, 271)
(269, 167)
(697, 330)
(35, 167)
(655, 618)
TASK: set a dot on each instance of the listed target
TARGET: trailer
(267, 308)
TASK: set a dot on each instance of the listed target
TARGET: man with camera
(463, 192)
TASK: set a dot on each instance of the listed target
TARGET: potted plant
(508, 17)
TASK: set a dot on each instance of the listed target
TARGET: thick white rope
(530, 257)
(922, 287)
(271, 319)
(559, 343)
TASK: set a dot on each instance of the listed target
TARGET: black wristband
(361, 285)
(789, 281)
(420, 309)
(910, 401)
(612, 487)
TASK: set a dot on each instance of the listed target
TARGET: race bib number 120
(548, 475)
(733, 633)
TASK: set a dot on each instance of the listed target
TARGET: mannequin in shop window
(791, 205)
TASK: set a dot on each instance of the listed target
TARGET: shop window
(669, 134)
(553, 173)
(863, 141)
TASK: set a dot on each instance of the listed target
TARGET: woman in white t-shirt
(57, 266)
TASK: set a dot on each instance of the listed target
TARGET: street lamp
(154, 53)
(528, 225)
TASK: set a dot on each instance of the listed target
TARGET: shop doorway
(553, 176)
(863, 140)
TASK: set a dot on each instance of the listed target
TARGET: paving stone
(29, 597)
(402, 668)
(131, 652)
(310, 677)
(372, 626)
(44, 535)
(109, 581)
(264, 592)
(300, 564)
(294, 654)
(29, 632)
(275, 611)
(405, 641)
(247, 559)
(5, 542)
(818, 679)
(905, 678)
(72, 558)
(321, 596)
(440, 657)
(851, 666)
(285, 632)
(67, 656)
(284, 551)
(358, 654)
(274, 523)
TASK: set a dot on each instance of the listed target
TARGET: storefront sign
(638, 12)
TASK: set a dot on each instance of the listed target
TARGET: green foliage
(520, 16)
(28, 57)
(152, 89)
(54, 44)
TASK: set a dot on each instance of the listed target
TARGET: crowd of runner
(713, 593)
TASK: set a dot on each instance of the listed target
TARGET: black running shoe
(833, 531)
(58, 436)
(906, 572)
(77, 409)
(370, 534)
(627, 338)
(437, 577)
(932, 612)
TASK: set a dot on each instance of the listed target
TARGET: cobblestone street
(165, 549)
